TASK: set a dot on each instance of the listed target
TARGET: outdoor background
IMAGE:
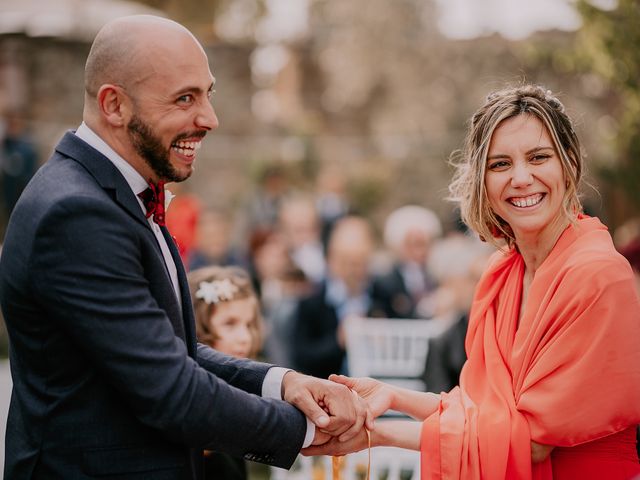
(378, 91)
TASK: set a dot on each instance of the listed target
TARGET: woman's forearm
(397, 433)
(418, 405)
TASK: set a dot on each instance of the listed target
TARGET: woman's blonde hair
(468, 185)
(237, 285)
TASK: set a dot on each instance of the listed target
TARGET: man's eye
(185, 98)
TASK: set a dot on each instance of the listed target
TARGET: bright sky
(457, 19)
(513, 19)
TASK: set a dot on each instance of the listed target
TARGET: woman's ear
(113, 104)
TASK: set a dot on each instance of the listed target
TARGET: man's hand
(332, 407)
(378, 395)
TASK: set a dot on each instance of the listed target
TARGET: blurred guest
(626, 233)
(264, 205)
(631, 251)
(319, 344)
(212, 244)
(332, 202)
(280, 285)
(280, 316)
(268, 260)
(407, 289)
(300, 227)
(182, 219)
(458, 262)
(18, 159)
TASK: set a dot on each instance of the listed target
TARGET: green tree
(609, 44)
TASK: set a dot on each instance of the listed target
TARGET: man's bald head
(120, 50)
(148, 87)
(349, 252)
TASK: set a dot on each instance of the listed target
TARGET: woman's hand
(334, 409)
(378, 395)
(539, 452)
(395, 433)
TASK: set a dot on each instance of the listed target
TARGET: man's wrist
(310, 435)
(272, 385)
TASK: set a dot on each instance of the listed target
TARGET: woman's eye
(539, 158)
(500, 165)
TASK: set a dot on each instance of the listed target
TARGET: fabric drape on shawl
(568, 374)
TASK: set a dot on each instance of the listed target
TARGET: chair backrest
(391, 349)
(387, 463)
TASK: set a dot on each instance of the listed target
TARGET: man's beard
(150, 148)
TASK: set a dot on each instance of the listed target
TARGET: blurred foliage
(369, 188)
(609, 44)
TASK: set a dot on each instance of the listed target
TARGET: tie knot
(153, 200)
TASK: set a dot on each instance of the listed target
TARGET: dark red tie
(153, 199)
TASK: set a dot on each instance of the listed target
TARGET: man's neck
(122, 147)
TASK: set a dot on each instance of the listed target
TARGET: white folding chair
(393, 350)
(387, 463)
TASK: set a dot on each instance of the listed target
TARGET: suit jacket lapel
(109, 178)
(105, 173)
(185, 296)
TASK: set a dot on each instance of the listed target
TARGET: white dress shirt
(272, 384)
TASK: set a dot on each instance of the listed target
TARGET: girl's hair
(210, 286)
(468, 185)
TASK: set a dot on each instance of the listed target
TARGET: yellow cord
(369, 447)
(336, 462)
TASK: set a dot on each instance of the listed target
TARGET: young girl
(228, 319)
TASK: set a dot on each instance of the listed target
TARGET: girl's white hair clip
(216, 291)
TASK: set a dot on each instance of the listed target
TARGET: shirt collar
(336, 292)
(136, 181)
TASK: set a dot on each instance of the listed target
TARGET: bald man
(108, 379)
(319, 344)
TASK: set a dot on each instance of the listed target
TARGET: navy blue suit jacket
(315, 347)
(108, 377)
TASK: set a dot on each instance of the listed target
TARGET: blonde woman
(551, 387)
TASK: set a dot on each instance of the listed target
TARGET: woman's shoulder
(594, 256)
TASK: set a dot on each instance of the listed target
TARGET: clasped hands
(340, 408)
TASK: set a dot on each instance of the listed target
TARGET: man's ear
(113, 104)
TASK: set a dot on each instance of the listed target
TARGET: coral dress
(611, 457)
(566, 374)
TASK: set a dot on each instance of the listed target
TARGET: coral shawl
(569, 372)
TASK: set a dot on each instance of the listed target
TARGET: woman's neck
(535, 248)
